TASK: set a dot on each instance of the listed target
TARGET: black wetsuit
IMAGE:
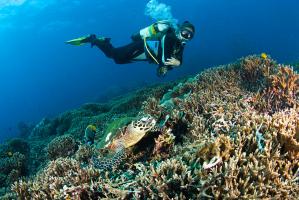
(173, 47)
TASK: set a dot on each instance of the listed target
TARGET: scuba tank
(152, 36)
(154, 31)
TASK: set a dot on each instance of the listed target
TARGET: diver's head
(186, 31)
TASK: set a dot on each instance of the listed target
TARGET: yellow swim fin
(78, 41)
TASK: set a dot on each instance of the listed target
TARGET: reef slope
(230, 132)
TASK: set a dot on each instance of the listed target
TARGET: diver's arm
(173, 51)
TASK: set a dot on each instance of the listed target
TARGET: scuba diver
(160, 43)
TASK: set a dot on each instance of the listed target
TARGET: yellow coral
(163, 144)
(221, 147)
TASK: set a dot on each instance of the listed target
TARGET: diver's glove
(173, 62)
(162, 71)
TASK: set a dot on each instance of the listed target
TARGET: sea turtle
(133, 133)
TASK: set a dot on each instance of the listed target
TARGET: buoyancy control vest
(154, 37)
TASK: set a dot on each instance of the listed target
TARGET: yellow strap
(146, 47)
(153, 30)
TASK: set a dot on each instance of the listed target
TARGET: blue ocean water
(41, 76)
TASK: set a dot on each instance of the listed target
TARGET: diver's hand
(161, 71)
(173, 62)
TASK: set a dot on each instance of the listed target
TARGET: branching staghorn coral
(170, 179)
(282, 92)
(255, 70)
(219, 109)
(285, 130)
(61, 178)
(152, 108)
(228, 148)
(163, 144)
(220, 148)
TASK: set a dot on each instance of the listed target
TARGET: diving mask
(186, 34)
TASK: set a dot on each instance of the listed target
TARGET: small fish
(92, 127)
(9, 153)
(264, 56)
(90, 133)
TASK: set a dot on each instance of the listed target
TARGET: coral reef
(14, 156)
(18, 145)
(163, 144)
(24, 129)
(84, 153)
(254, 71)
(282, 92)
(12, 167)
(230, 132)
(44, 128)
(109, 116)
(62, 146)
(61, 179)
(170, 179)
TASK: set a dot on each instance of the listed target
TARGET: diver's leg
(127, 53)
(103, 44)
(120, 55)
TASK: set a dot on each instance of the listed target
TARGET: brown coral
(61, 178)
(84, 153)
(285, 129)
(221, 147)
(282, 92)
(171, 179)
(228, 149)
(163, 144)
(62, 146)
(255, 70)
